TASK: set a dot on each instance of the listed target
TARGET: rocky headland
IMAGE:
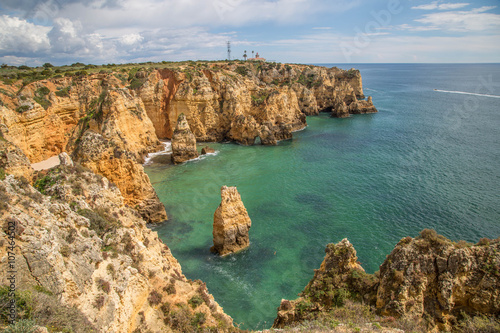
(427, 283)
(109, 119)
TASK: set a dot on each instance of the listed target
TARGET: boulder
(231, 223)
(207, 150)
(65, 159)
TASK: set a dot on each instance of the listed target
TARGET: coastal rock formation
(242, 102)
(231, 223)
(13, 161)
(90, 264)
(207, 150)
(432, 276)
(428, 280)
(183, 142)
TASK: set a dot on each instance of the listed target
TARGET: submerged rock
(207, 150)
(231, 223)
(183, 142)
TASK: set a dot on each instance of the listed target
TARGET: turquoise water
(428, 159)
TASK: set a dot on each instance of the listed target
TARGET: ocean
(430, 158)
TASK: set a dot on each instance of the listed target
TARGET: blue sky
(33, 32)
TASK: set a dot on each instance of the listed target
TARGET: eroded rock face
(94, 254)
(183, 142)
(13, 161)
(231, 223)
(428, 280)
(106, 158)
(339, 272)
(432, 276)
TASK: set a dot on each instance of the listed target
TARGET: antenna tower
(228, 50)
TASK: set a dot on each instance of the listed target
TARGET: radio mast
(229, 50)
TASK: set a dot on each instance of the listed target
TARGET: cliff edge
(427, 283)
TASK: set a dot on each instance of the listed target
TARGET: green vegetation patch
(242, 70)
(64, 92)
(23, 108)
(40, 97)
(100, 221)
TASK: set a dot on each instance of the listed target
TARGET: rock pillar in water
(183, 142)
(231, 223)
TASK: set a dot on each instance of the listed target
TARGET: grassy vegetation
(39, 306)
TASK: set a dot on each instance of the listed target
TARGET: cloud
(442, 6)
(131, 39)
(463, 21)
(18, 37)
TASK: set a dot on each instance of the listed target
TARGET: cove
(418, 163)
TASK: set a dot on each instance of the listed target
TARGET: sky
(33, 32)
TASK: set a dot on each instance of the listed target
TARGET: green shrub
(99, 221)
(23, 108)
(45, 103)
(43, 184)
(242, 70)
(432, 237)
(104, 285)
(154, 298)
(63, 92)
(478, 324)
(2, 173)
(195, 301)
(198, 319)
(24, 304)
(22, 326)
(136, 83)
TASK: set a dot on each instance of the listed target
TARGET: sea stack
(231, 223)
(183, 142)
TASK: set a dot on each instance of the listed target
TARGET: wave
(166, 150)
(466, 93)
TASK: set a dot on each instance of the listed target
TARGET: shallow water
(428, 159)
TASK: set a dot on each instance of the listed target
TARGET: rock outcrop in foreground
(429, 281)
(86, 262)
(183, 142)
(231, 223)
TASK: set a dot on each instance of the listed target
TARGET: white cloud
(463, 21)
(131, 39)
(20, 37)
(443, 6)
(149, 14)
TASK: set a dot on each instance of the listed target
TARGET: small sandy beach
(47, 164)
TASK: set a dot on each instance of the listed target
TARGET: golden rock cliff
(90, 264)
(183, 142)
(109, 121)
(231, 223)
(427, 282)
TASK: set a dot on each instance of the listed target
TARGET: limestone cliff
(90, 263)
(428, 281)
(231, 223)
(237, 101)
(246, 101)
(183, 142)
